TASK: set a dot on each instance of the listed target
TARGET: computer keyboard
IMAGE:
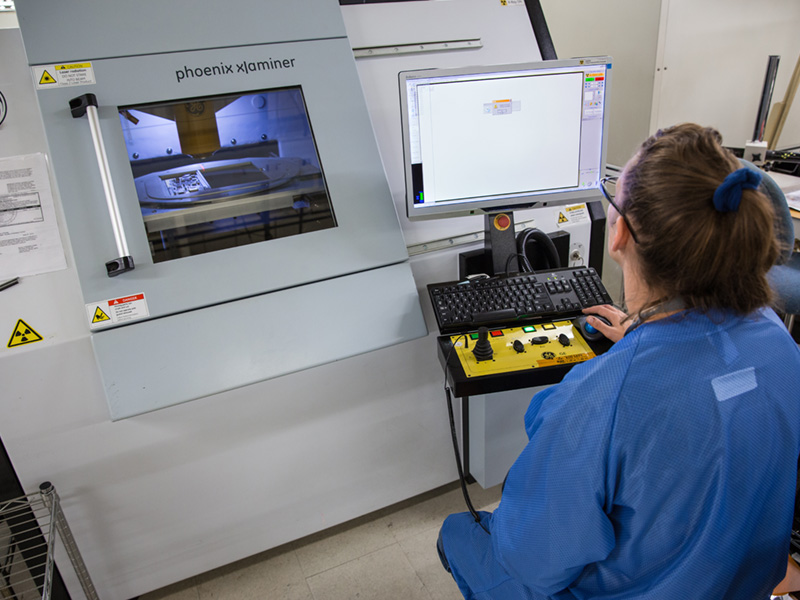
(514, 299)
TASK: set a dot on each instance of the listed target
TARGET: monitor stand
(500, 254)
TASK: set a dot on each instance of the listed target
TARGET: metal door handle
(87, 105)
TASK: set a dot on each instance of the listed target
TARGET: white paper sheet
(30, 243)
(793, 200)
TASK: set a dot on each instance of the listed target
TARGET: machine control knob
(519, 346)
(538, 340)
(483, 347)
(563, 339)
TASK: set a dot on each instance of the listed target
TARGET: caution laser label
(116, 311)
(23, 334)
(64, 75)
(577, 213)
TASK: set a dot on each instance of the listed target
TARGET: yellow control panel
(522, 348)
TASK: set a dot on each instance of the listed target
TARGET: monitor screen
(218, 172)
(486, 139)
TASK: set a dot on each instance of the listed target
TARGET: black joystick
(483, 347)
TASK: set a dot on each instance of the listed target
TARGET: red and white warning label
(116, 311)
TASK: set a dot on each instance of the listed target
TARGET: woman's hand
(613, 315)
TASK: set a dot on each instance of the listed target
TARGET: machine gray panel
(57, 32)
(367, 233)
(232, 345)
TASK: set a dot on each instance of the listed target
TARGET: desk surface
(789, 183)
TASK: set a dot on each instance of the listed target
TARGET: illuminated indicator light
(529, 329)
(473, 336)
(548, 326)
(496, 333)
(590, 79)
(599, 78)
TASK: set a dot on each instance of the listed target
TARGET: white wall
(714, 57)
(627, 30)
(8, 19)
(683, 60)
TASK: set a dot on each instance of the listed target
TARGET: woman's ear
(620, 235)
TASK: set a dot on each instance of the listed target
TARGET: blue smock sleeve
(552, 520)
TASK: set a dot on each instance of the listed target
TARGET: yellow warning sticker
(23, 334)
(75, 66)
(577, 213)
(63, 75)
(46, 79)
(100, 316)
(562, 218)
(117, 310)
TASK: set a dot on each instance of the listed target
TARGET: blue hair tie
(729, 193)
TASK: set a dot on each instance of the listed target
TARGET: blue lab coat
(664, 469)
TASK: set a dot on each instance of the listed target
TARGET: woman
(666, 467)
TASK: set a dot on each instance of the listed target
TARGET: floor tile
(484, 499)
(183, 590)
(385, 574)
(270, 575)
(386, 555)
(421, 552)
(430, 511)
(342, 544)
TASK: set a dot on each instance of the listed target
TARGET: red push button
(496, 333)
(502, 222)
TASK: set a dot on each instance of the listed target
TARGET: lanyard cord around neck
(674, 305)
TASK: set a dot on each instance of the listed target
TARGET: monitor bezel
(514, 202)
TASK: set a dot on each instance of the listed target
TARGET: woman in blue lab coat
(665, 468)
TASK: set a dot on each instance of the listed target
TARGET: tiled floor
(385, 555)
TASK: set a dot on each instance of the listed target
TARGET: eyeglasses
(610, 197)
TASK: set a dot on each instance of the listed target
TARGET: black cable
(525, 236)
(524, 258)
(454, 435)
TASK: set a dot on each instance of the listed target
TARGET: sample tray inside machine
(225, 171)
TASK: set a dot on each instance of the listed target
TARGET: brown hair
(688, 249)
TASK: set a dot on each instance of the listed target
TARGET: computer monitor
(492, 139)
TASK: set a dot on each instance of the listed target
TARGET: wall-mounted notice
(29, 239)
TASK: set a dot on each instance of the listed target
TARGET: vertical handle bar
(87, 105)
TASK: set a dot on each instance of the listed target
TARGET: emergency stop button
(502, 222)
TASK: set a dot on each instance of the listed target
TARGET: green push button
(529, 329)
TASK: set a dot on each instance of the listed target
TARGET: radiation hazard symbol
(562, 218)
(23, 334)
(100, 316)
(46, 78)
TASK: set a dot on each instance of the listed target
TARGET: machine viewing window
(498, 138)
(224, 171)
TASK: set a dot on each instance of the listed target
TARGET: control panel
(488, 360)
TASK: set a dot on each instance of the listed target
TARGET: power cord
(526, 266)
(454, 436)
(532, 234)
